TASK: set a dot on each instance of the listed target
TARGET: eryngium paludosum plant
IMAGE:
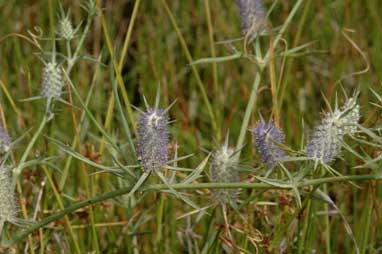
(267, 138)
(326, 143)
(8, 207)
(52, 82)
(224, 169)
(153, 139)
(5, 140)
(252, 16)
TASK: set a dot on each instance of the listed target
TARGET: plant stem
(214, 65)
(157, 187)
(190, 61)
(18, 169)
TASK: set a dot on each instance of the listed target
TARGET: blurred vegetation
(345, 51)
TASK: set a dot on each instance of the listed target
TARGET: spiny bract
(8, 208)
(52, 81)
(326, 143)
(153, 139)
(266, 137)
(224, 169)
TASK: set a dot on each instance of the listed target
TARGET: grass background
(156, 55)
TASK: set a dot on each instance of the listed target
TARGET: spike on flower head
(8, 207)
(153, 139)
(52, 82)
(5, 140)
(252, 16)
(326, 143)
(224, 169)
(266, 137)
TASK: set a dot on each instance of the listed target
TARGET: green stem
(214, 65)
(72, 60)
(248, 110)
(17, 171)
(190, 61)
(157, 187)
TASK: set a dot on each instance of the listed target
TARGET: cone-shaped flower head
(267, 138)
(52, 82)
(326, 143)
(5, 140)
(224, 169)
(8, 207)
(153, 139)
(252, 16)
(65, 28)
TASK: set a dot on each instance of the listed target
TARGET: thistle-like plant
(326, 142)
(267, 137)
(5, 140)
(224, 168)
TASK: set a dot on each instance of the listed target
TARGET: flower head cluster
(267, 137)
(5, 140)
(326, 143)
(224, 169)
(153, 139)
(8, 207)
(52, 82)
(252, 16)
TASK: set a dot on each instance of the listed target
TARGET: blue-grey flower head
(5, 140)
(252, 16)
(8, 207)
(267, 138)
(153, 139)
(326, 142)
(224, 169)
(52, 82)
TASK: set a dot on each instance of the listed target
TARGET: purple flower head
(5, 140)
(153, 139)
(266, 138)
(252, 16)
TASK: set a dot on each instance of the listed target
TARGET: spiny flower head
(252, 16)
(266, 137)
(52, 82)
(326, 143)
(65, 28)
(5, 140)
(8, 207)
(224, 169)
(153, 139)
